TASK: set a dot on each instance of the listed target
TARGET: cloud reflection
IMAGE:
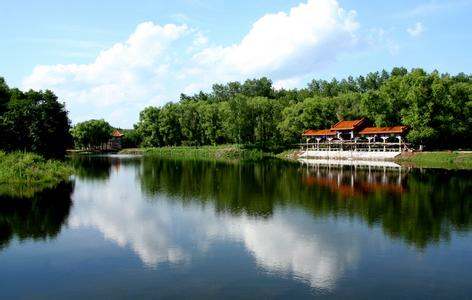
(161, 230)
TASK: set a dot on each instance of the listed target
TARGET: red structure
(354, 130)
(115, 142)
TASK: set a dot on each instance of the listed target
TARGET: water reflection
(39, 217)
(418, 206)
(161, 228)
(356, 181)
(305, 221)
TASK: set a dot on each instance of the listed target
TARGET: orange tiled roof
(380, 130)
(348, 125)
(320, 132)
(117, 133)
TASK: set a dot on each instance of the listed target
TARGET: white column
(318, 143)
(384, 138)
(399, 137)
(369, 138)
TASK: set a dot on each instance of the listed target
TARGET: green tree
(34, 121)
(169, 125)
(191, 122)
(91, 134)
(148, 127)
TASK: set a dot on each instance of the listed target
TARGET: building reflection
(352, 179)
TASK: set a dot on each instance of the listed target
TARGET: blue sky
(110, 59)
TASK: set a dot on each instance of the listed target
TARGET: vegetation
(130, 139)
(436, 107)
(22, 174)
(33, 121)
(92, 134)
(219, 153)
(443, 159)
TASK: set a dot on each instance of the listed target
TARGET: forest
(33, 121)
(436, 107)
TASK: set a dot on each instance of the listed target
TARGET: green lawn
(22, 174)
(220, 152)
(439, 159)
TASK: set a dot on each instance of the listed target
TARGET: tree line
(33, 121)
(436, 107)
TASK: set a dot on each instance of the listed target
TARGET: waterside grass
(438, 159)
(22, 174)
(218, 153)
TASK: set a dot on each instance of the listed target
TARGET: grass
(439, 159)
(219, 153)
(22, 174)
(290, 154)
(435, 159)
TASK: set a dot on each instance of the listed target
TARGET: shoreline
(461, 160)
(24, 173)
(215, 153)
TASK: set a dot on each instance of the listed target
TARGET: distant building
(355, 139)
(356, 130)
(115, 143)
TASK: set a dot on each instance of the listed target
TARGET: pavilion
(356, 135)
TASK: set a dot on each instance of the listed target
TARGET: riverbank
(23, 174)
(434, 159)
(438, 159)
(220, 152)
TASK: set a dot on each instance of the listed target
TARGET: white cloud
(157, 62)
(415, 30)
(287, 83)
(309, 36)
(126, 73)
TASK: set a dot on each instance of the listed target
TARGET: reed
(23, 173)
(220, 153)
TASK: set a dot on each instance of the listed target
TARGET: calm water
(142, 228)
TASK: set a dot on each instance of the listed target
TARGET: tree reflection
(96, 167)
(420, 207)
(90, 167)
(38, 217)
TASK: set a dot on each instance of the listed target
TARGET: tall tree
(91, 134)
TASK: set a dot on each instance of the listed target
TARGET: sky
(110, 59)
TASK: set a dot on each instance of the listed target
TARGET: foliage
(436, 107)
(91, 134)
(148, 127)
(217, 153)
(33, 121)
(25, 173)
(131, 138)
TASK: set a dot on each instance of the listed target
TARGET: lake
(133, 227)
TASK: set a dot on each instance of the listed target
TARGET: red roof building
(355, 128)
(383, 130)
(349, 125)
(116, 133)
(320, 132)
